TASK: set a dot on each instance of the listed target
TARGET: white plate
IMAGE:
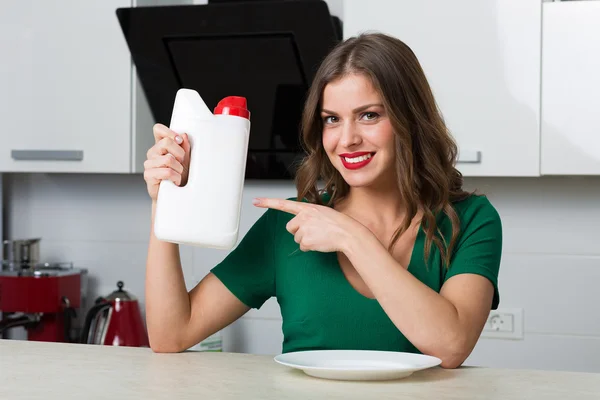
(363, 365)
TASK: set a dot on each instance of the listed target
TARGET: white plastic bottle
(206, 211)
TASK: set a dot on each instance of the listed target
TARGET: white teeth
(357, 159)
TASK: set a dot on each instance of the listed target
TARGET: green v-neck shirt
(319, 307)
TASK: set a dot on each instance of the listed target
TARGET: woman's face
(357, 134)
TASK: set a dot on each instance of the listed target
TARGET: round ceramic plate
(363, 365)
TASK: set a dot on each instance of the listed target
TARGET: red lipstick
(355, 164)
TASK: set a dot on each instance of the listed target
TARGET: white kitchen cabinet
(482, 59)
(65, 102)
(571, 88)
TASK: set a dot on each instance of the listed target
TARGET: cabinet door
(66, 81)
(571, 88)
(482, 59)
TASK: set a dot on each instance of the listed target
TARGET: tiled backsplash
(550, 266)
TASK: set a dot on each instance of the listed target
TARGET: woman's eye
(330, 119)
(370, 116)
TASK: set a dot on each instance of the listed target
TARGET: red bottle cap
(233, 105)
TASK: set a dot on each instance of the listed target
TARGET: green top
(320, 309)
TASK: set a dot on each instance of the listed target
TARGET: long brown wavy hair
(425, 150)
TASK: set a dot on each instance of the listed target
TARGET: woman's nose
(350, 135)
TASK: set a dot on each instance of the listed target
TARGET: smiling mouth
(356, 160)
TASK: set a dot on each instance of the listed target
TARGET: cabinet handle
(469, 157)
(47, 155)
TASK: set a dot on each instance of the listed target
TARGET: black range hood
(266, 51)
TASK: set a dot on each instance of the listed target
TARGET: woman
(391, 255)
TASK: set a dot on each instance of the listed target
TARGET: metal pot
(19, 254)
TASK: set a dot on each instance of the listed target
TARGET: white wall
(550, 268)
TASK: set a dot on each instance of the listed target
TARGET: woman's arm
(446, 325)
(177, 319)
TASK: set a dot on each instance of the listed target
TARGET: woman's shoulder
(476, 210)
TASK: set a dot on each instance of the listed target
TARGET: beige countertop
(36, 370)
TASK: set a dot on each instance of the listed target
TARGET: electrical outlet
(504, 323)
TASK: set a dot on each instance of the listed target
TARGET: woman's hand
(316, 227)
(169, 159)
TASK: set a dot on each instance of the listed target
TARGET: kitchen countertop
(37, 370)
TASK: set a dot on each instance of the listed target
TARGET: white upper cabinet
(65, 79)
(571, 88)
(482, 59)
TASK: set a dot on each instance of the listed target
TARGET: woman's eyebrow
(356, 110)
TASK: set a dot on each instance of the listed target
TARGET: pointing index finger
(292, 207)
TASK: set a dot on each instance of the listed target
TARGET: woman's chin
(359, 179)
(367, 177)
